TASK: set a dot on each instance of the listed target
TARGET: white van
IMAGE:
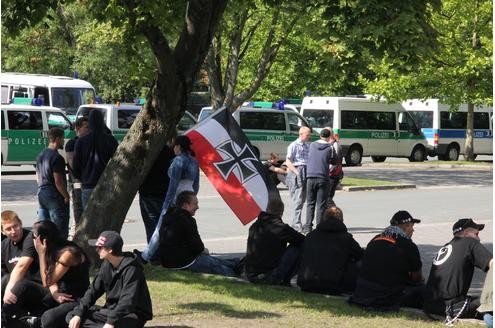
(62, 92)
(25, 131)
(270, 130)
(367, 128)
(119, 117)
(445, 130)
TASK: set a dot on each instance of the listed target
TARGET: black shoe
(140, 256)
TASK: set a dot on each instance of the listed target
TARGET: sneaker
(139, 256)
(31, 322)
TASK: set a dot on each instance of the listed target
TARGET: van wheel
(354, 155)
(452, 153)
(418, 154)
(378, 159)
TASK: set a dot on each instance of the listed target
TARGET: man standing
(19, 261)
(153, 190)
(391, 269)
(320, 156)
(273, 248)
(336, 173)
(82, 129)
(92, 154)
(121, 279)
(297, 158)
(53, 197)
(452, 271)
(181, 247)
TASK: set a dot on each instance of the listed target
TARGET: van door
(383, 134)
(125, 118)
(26, 137)
(409, 135)
(59, 120)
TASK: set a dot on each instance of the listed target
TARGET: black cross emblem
(236, 160)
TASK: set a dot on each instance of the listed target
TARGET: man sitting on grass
(181, 247)
(273, 248)
(391, 269)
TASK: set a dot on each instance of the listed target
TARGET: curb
(386, 187)
(428, 166)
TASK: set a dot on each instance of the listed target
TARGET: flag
(227, 158)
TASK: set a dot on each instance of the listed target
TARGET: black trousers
(97, 317)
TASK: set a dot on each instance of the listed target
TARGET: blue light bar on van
(139, 101)
(27, 101)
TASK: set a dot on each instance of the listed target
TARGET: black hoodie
(93, 151)
(328, 259)
(321, 155)
(126, 291)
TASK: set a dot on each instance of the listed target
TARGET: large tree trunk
(469, 145)
(165, 104)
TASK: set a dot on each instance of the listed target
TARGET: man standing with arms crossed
(297, 158)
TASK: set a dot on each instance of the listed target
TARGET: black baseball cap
(465, 223)
(108, 239)
(403, 217)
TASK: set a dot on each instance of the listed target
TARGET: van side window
(357, 120)
(3, 120)
(453, 120)
(424, 119)
(126, 117)
(57, 120)
(481, 121)
(20, 120)
(384, 120)
(262, 121)
(5, 94)
(295, 121)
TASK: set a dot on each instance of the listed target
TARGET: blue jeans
(151, 207)
(150, 252)
(209, 264)
(85, 193)
(286, 269)
(53, 208)
(297, 188)
(317, 197)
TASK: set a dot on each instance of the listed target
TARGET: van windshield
(424, 119)
(69, 99)
(319, 118)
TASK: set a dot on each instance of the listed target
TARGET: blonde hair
(9, 216)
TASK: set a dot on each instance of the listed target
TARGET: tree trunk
(165, 104)
(469, 145)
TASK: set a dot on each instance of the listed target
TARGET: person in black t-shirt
(19, 261)
(452, 271)
(329, 257)
(53, 197)
(82, 128)
(391, 269)
(276, 170)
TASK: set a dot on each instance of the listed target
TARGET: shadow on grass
(228, 310)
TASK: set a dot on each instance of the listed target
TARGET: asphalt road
(442, 196)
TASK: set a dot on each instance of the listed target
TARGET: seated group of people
(45, 280)
(39, 265)
(384, 276)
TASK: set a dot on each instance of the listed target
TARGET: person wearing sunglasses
(19, 263)
(452, 272)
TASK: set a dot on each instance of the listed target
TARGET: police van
(25, 130)
(366, 127)
(445, 129)
(270, 130)
(62, 92)
(119, 117)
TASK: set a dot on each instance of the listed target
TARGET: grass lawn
(183, 299)
(360, 182)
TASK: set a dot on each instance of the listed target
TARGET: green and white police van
(366, 127)
(25, 130)
(270, 130)
(119, 117)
